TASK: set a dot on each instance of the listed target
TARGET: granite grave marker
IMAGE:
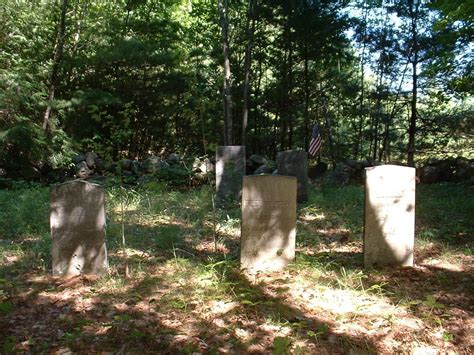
(268, 222)
(78, 229)
(389, 222)
(295, 163)
(230, 169)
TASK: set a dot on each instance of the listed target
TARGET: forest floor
(185, 292)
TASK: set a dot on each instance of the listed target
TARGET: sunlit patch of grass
(10, 253)
(444, 212)
(183, 292)
(24, 212)
(443, 254)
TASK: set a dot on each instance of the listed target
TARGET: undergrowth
(175, 268)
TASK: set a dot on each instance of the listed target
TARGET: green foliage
(8, 345)
(344, 206)
(141, 77)
(281, 346)
(175, 174)
(6, 307)
(25, 213)
(321, 331)
(445, 212)
(172, 277)
(61, 151)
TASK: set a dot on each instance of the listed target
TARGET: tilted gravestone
(295, 163)
(230, 169)
(268, 222)
(389, 222)
(78, 229)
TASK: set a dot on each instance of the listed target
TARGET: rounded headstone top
(77, 181)
(293, 151)
(270, 176)
(388, 167)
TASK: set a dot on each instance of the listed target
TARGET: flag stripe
(315, 143)
(315, 146)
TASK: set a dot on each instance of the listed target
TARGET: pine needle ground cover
(185, 293)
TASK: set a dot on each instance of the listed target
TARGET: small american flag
(315, 143)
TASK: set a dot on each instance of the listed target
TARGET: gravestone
(230, 169)
(295, 163)
(78, 229)
(389, 222)
(268, 222)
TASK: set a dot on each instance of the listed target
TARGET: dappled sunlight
(131, 252)
(448, 265)
(182, 295)
(389, 222)
(208, 246)
(229, 229)
(220, 307)
(268, 222)
(132, 207)
(308, 217)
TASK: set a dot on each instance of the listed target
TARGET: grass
(185, 296)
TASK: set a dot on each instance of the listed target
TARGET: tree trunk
(414, 51)
(385, 150)
(79, 14)
(249, 32)
(378, 107)
(330, 137)
(227, 85)
(58, 54)
(289, 98)
(358, 142)
(256, 115)
(286, 92)
(307, 127)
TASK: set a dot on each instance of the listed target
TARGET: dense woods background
(150, 88)
(126, 79)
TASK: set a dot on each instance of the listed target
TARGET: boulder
(340, 176)
(145, 179)
(163, 165)
(78, 158)
(258, 159)
(429, 174)
(436, 170)
(264, 169)
(83, 171)
(356, 164)
(203, 166)
(446, 169)
(110, 167)
(126, 164)
(90, 159)
(174, 158)
(318, 170)
(151, 164)
(464, 169)
(254, 162)
(99, 165)
(137, 167)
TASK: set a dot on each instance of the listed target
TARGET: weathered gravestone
(295, 163)
(230, 169)
(268, 222)
(389, 226)
(78, 229)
